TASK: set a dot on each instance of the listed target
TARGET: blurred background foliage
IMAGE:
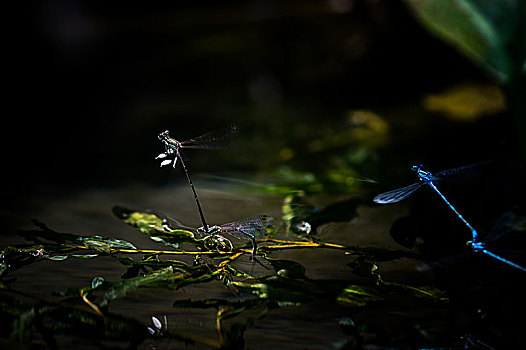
(312, 84)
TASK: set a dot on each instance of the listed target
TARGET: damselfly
(427, 178)
(508, 222)
(211, 140)
(480, 247)
(251, 228)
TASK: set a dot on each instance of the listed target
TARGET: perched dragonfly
(173, 152)
(427, 178)
(248, 228)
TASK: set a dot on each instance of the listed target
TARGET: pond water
(472, 300)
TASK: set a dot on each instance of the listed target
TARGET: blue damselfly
(506, 223)
(427, 178)
(173, 152)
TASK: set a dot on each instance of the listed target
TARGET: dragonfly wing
(256, 226)
(263, 221)
(398, 194)
(215, 139)
(502, 227)
(461, 173)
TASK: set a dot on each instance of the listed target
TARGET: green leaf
(84, 256)
(98, 246)
(424, 292)
(111, 242)
(150, 224)
(278, 289)
(480, 29)
(357, 296)
(57, 257)
(165, 242)
(119, 290)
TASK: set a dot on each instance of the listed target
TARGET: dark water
(483, 295)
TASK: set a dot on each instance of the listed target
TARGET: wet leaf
(163, 241)
(57, 257)
(278, 289)
(358, 296)
(111, 242)
(424, 292)
(84, 256)
(150, 224)
(119, 290)
(98, 246)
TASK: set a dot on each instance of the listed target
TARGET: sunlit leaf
(424, 292)
(84, 256)
(357, 296)
(150, 224)
(111, 242)
(57, 257)
(98, 246)
(119, 290)
(163, 241)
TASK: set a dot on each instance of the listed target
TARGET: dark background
(91, 85)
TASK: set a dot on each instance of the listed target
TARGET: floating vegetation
(280, 283)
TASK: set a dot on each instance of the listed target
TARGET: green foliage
(150, 224)
(485, 31)
(354, 296)
(288, 285)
